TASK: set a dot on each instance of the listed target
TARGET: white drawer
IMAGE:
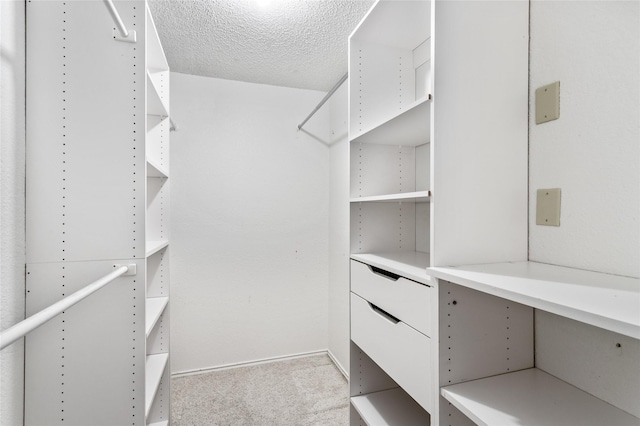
(404, 299)
(402, 352)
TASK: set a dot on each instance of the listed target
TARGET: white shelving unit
(437, 178)
(157, 377)
(389, 133)
(97, 195)
(497, 393)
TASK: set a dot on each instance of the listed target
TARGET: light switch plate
(548, 207)
(548, 103)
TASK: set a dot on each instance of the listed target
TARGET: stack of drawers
(391, 320)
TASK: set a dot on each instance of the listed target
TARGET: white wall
(339, 229)
(592, 152)
(249, 223)
(12, 173)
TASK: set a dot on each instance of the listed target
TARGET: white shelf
(161, 423)
(390, 407)
(532, 397)
(155, 54)
(155, 104)
(408, 128)
(418, 197)
(380, 25)
(155, 170)
(155, 246)
(409, 264)
(608, 301)
(154, 369)
(154, 309)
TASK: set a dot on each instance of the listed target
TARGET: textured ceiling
(292, 43)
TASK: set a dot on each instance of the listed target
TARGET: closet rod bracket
(129, 38)
(131, 269)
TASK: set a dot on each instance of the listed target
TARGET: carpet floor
(296, 392)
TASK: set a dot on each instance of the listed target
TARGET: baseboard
(256, 362)
(338, 365)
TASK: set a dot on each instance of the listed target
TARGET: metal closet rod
(116, 18)
(338, 84)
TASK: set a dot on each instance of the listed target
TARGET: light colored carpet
(300, 392)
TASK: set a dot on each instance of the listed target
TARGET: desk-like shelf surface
(611, 302)
(532, 397)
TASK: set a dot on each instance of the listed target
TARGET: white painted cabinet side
(479, 132)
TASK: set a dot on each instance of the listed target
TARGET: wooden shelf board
(155, 246)
(390, 407)
(154, 309)
(155, 170)
(418, 197)
(607, 301)
(409, 264)
(531, 397)
(155, 103)
(154, 368)
(408, 128)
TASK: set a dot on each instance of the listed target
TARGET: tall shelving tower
(438, 162)
(97, 196)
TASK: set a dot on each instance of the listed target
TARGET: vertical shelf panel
(481, 335)
(158, 377)
(96, 344)
(91, 145)
(81, 164)
(479, 132)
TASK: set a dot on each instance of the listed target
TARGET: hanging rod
(338, 84)
(118, 21)
(26, 326)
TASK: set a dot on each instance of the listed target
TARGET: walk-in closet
(320, 212)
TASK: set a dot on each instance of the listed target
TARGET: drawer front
(404, 299)
(402, 352)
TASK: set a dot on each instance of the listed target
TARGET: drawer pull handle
(386, 274)
(386, 315)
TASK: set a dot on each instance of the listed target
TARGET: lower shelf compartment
(532, 397)
(390, 407)
(154, 370)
